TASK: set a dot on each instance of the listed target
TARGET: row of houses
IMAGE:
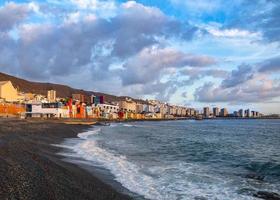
(125, 109)
(82, 106)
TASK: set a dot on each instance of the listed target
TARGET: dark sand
(30, 168)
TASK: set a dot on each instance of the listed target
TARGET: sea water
(209, 159)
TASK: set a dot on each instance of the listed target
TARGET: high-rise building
(247, 113)
(216, 111)
(224, 112)
(241, 113)
(51, 95)
(206, 111)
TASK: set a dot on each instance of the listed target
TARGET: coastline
(31, 169)
(99, 121)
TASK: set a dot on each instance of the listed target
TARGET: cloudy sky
(193, 53)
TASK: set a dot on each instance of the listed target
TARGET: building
(216, 111)
(161, 108)
(184, 112)
(107, 111)
(235, 114)
(171, 110)
(179, 111)
(206, 112)
(51, 96)
(224, 112)
(97, 99)
(191, 112)
(92, 99)
(139, 108)
(78, 97)
(107, 108)
(127, 105)
(8, 92)
(48, 110)
(148, 108)
(247, 113)
(241, 113)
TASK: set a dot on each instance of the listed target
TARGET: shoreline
(93, 121)
(30, 167)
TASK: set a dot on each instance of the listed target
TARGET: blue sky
(194, 53)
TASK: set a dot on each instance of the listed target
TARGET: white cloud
(232, 33)
(95, 4)
(148, 65)
(76, 17)
(104, 9)
(259, 88)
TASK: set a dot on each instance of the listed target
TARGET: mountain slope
(62, 91)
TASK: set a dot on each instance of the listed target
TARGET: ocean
(184, 159)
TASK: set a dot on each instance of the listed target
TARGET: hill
(62, 91)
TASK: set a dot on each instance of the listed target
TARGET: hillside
(63, 91)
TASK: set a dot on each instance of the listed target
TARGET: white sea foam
(173, 180)
(127, 125)
(85, 135)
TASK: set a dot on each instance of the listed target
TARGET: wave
(174, 180)
(85, 135)
(128, 125)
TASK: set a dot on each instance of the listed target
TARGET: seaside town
(24, 105)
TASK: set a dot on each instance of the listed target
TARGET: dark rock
(200, 198)
(267, 195)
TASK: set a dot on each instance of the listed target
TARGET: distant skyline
(193, 53)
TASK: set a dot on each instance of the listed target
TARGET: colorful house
(8, 92)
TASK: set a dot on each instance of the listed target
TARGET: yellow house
(8, 92)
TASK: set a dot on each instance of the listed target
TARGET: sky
(190, 53)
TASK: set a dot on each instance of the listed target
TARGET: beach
(30, 167)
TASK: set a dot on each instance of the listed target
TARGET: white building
(107, 108)
(49, 110)
(148, 108)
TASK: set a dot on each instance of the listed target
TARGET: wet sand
(31, 169)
